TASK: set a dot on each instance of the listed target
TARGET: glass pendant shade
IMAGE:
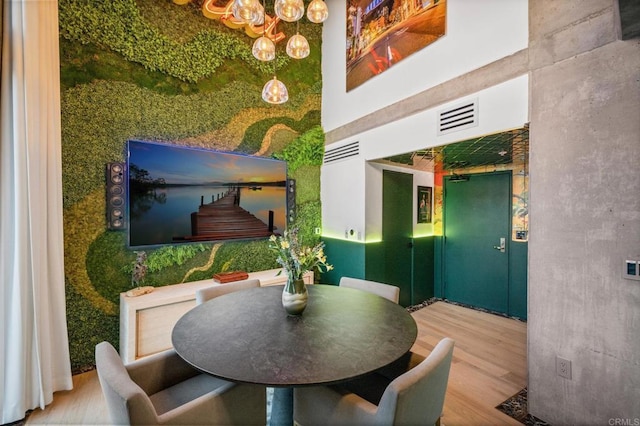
(275, 92)
(259, 19)
(289, 10)
(298, 47)
(264, 49)
(246, 10)
(317, 11)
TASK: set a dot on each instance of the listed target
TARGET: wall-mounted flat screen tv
(178, 194)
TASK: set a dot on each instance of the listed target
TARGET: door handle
(502, 246)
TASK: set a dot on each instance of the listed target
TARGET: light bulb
(264, 49)
(289, 10)
(275, 92)
(245, 10)
(317, 11)
(298, 47)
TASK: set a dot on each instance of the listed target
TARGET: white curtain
(34, 347)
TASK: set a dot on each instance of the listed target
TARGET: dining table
(247, 337)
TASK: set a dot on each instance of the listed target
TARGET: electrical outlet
(563, 368)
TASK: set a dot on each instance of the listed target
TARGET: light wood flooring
(489, 366)
(489, 361)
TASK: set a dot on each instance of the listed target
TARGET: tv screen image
(179, 194)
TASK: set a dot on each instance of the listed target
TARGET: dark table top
(247, 337)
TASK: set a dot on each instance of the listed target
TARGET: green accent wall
(518, 270)
(423, 269)
(366, 261)
(347, 258)
(438, 277)
(375, 264)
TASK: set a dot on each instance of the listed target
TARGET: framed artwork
(168, 185)
(381, 33)
(424, 204)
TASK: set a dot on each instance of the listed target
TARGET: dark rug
(516, 407)
(422, 304)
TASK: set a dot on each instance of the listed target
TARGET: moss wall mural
(154, 70)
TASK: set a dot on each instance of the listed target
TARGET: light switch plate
(631, 270)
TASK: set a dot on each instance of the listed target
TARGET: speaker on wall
(291, 201)
(116, 193)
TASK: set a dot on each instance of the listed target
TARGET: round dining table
(247, 337)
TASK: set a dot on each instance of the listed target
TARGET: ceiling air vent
(459, 117)
(342, 152)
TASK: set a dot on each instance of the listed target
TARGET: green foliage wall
(153, 70)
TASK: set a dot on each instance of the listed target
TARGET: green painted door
(477, 220)
(397, 231)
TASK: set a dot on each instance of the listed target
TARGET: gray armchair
(387, 291)
(205, 294)
(163, 389)
(415, 397)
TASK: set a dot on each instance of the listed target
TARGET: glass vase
(294, 296)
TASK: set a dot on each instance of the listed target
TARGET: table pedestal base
(282, 407)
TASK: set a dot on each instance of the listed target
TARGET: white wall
(471, 26)
(349, 191)
(355, 210)
(342, 185)
(502, 107)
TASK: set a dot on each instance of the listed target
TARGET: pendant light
(251, 14)
(289, 10)
(246, 10)
(260, 18)
(317, 11)
(264, 49)
(298, 46)
(275, 92)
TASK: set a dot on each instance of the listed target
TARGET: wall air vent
(342, 152)
(461, 116)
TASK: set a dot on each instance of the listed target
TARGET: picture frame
(424, 202)
(381, 33)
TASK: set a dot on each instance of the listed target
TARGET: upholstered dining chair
(162, 389)
(208, 293)
(415, 397)
(387, 291)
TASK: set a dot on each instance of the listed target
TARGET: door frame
(508, 242)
